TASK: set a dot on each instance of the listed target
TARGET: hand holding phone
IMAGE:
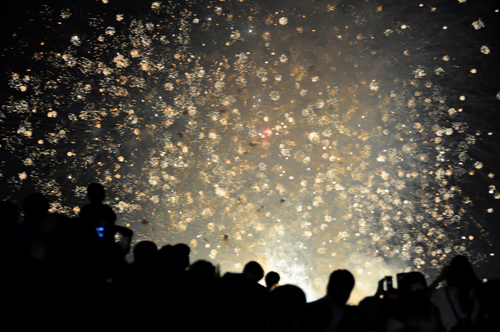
(388, 283)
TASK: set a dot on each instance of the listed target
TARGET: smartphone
(100, 231)
(388, 283)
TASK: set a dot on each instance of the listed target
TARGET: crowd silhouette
(70, 274)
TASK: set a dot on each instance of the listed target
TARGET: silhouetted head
(340, 286)
(36, 206)
(489, 295)
(165, 253)
(145, 251)
(272, 278)
(202, 271)
(253, 271)
(181, 253)
(96, 192)
(414, 284)
(460, 273)
(287, 301)
(9, 212)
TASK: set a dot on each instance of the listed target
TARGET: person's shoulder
(85, 209)
(231, 275)
(325, 299)
(323, 302)
(108, 210)
(86, 206)
(353, 309)
(230, 278)
(260, 289)
(107, 207)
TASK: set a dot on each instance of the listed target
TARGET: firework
(307, 137)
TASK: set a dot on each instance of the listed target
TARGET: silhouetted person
(379, 307)
(72, 251)
(30, 233)
(142, 271)
(331, 313)
(202, 277)
(458, 300)
(101, 219)
(375, 311)
(98, 214)
(242, 298)
(170, 283)
(8, 231)
(180, 256)
(413, 310)
(253, 271)
(174, 259)
(272, 279)
(145, 252)
(144, 265)
(202, 291)
(58, 288)
(284, 306)
(340, 286)
(10, 279)
(489, 318)
(202, 272)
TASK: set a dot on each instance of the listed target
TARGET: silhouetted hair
(272, 278)
(9, 211)
(287, 301)
(340, 285)
(460, 273)
(253, 271)
(145, 251)
(202, 270)
(36, 205)
(414, 282)
(96, 192)
(181, 253)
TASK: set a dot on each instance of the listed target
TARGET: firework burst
(313, 136)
